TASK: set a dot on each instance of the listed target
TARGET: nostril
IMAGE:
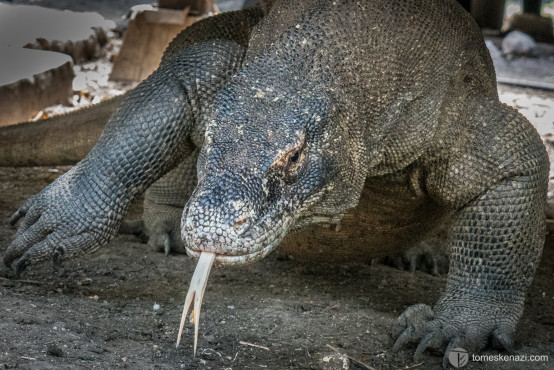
(242, 224)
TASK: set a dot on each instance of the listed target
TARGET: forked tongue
(196, 291)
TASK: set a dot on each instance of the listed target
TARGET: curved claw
(21, 212)
(20, 266)
(433, 340)
(457, 343)
(57, 256)
(160, 234)
(160, 242)
(404, 338)
(502, 338)
(167, 246)
(57, 245)
(33, 238)
(447, 354)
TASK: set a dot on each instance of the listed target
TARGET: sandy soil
(99, 311)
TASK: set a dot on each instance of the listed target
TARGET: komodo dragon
(380, 114)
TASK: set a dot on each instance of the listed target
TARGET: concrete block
(80, 35)
(31, 80)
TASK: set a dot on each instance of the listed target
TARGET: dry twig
(410, 367)
(33, 282)
(254, 345)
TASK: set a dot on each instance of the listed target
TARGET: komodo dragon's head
(273, 158)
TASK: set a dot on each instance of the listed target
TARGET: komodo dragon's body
(383, 115)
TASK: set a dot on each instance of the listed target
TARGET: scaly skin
(382, 115)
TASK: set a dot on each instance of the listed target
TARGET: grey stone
(517, 43)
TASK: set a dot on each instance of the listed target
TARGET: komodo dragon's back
(407, 61)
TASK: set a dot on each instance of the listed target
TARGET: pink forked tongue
(196, 291)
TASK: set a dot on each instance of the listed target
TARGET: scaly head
(274, 158)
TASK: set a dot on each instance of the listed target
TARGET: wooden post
(145, 40)
(532, 6)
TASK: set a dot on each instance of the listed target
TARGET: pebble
(517, 43)
(54, 350)
(334, 361)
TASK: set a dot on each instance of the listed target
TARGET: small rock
(54, 350)
(334, 361)
(517, 43)
(84, 282)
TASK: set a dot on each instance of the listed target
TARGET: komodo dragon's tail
(60, 140)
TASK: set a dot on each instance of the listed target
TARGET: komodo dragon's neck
(60, 140)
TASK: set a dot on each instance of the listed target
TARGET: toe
(32, 236)
(32, 255)
(160, 243)
(404, 338)
(419, 313)
(22, 211)
(415, 333)
(32, 217)
(456, 346)
(434, 340)
(502, 338)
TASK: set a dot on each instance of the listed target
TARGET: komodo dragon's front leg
(148, 135)
(497, 237)
(165, 199)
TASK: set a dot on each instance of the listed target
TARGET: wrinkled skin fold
(291, 114)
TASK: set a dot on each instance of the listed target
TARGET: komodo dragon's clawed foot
(429, 256)
(163, 229)
(60, 223)
(463, 323)
(159, 228)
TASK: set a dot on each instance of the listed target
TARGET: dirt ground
(121, 308)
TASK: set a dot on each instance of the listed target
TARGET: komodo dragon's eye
(293, 165)
(294, 158)
(290, 161)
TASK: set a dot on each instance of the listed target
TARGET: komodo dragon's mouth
(224, 260)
